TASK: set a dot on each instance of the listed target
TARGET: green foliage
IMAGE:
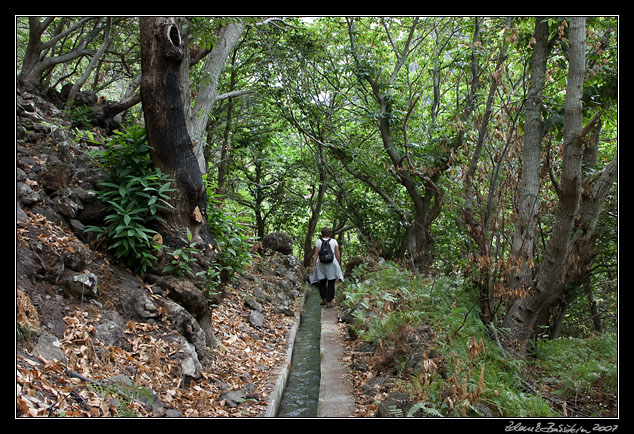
(578, 365)
(229, 231)
(123, 395)
(385, 300)
(389, 299)
(24, 333)
(182, 257)
(79, 115)
(427, 411)
(133, 192)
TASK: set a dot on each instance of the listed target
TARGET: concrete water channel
(301, 394)
(314, 384)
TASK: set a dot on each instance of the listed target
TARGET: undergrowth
(579, 367)
(461, 371)
(229, 229)
(133, 192)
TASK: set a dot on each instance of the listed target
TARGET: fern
(395, 411)
(422, 406)
(389, 299)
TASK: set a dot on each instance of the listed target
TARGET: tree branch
(234, 94)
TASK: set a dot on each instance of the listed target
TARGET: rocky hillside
(93, 339)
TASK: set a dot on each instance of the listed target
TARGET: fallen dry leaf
(248, 359)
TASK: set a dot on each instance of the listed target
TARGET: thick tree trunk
(172, 151)
(524, 238)
(32, 66)
(161, 94)
(522, 315)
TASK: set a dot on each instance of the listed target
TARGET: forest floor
(399, 360)
(236, 382)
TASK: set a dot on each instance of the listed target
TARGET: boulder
(376, 384)
(109, 330)
(55, 174)
(191, 298)
(20, 216)
(190, 365)
(49, 348)
(184, 292)
(128, 295)
(25, 194)
(256, 319)
(279, 242)
(397, 404)
(233, 398)
(81, 285)
(253, 304)
(185, 324)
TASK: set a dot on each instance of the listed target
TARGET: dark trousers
(327, 289)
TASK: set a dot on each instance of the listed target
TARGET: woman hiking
(326, 269)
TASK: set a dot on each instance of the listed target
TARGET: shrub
(182, 257)
(229, 231)
(133, 191)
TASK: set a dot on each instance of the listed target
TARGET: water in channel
(301, 395)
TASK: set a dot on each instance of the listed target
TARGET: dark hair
(326, 232)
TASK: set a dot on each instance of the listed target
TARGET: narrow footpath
(336, 398)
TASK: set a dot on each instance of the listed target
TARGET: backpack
(326, 255)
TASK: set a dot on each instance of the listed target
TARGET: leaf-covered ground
(85, 384)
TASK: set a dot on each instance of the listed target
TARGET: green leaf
(116, 206)
(108, 184)
(165, 188)
(141, 233)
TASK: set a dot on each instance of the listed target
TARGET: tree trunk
(524, 237)
(420, 245)
(35, 62)
(198, 118)
(314, 217)
(223, 164)
(522, 315)
(594, 308)
(161, 61)
(478, 229)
